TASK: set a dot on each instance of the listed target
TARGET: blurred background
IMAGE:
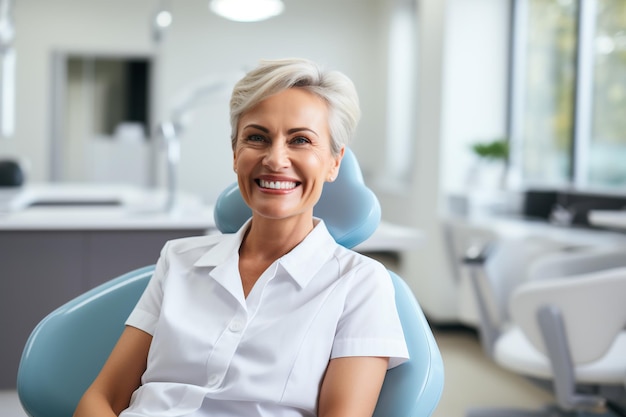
(483, 120)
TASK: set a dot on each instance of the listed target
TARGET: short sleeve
(370, 325)
(147, 310)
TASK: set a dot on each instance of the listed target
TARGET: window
(607, 147)
(401, 91)
(568, 123)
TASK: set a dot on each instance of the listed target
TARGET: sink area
(74, 203)
(71, 195)
(98, 207)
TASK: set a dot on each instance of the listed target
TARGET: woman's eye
(255, 138)
(300, 140)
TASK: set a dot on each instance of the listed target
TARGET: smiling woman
(276, 319)
(284, 152)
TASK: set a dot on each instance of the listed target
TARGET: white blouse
(216, 353)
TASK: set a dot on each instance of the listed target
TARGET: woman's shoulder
(352, 262)
(191, 245)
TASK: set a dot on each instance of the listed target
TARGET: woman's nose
(277, 156)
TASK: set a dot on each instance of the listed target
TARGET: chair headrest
(349, 208)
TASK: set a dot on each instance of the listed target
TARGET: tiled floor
(471, 381)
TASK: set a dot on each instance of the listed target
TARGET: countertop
(518, 227)
(106, 207)
(390, 237)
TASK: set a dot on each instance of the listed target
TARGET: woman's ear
(334, 171)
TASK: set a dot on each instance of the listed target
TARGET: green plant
(494, 150)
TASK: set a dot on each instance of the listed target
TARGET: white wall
(43, 26)
(348, 35)
(462, 98)
(475, 74)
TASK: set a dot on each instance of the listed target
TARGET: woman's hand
(351, 386)
(120, 376)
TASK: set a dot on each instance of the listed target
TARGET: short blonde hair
(274, 76)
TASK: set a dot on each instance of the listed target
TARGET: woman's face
(283, 155)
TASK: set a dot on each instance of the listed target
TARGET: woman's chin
(278, 214)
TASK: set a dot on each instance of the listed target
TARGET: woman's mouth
(277, 185)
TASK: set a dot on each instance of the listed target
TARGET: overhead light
(163, 18)
(247, 10)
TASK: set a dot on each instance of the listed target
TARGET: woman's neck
(264, 242)
(270, 239)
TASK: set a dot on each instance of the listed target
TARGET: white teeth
(277, 185)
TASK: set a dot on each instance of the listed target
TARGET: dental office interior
(492, 132)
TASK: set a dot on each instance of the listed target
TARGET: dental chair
(494, 269)
(67, 349)
(568, 333)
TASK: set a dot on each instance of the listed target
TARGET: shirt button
(213, 379)
(236, 326)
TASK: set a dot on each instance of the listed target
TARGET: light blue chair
(67, 349)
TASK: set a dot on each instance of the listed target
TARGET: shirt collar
(301, 263)
(227, 246)
(304, 261)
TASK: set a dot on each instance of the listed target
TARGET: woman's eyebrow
(301, 129)
(258, 127)
(290, 131)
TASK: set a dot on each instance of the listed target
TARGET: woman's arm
(120, 376)
(351, 386)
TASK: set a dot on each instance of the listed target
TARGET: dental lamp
(247, 10)
(189, 100)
